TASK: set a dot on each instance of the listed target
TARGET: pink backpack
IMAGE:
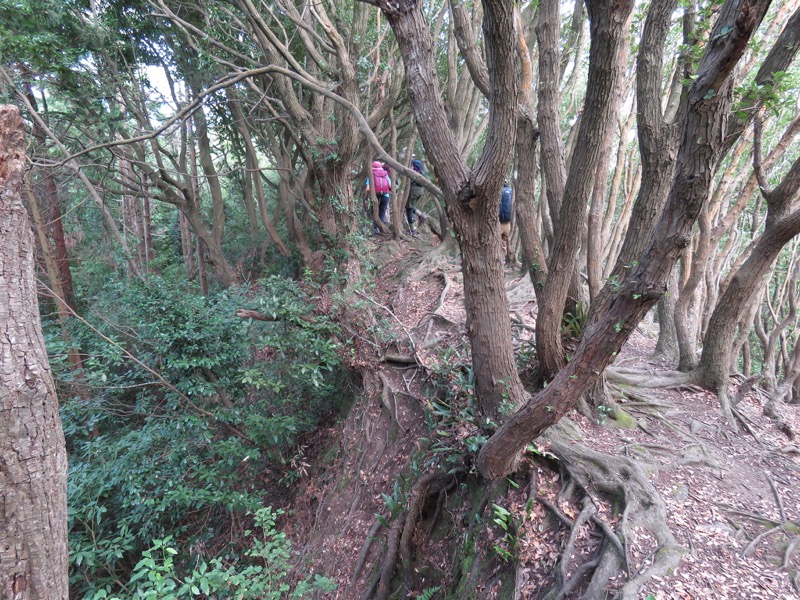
(381, 178)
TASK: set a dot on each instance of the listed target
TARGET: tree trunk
(33, 478)
(609, 30)
(533, 258)
(472, 197)
(715, 361)
(667, 345)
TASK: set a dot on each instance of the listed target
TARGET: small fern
(572, 323)
(429, 593)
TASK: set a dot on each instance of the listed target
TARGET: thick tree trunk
(33, 478)
(472, 197)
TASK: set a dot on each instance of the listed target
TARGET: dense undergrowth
(182, 425)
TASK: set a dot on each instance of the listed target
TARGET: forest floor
(732, 498)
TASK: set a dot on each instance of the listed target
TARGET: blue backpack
(417, 165)
(505, 205)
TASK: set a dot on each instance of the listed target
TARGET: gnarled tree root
(621, 481)
(401, 533)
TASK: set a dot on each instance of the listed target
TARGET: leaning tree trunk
(33, 477)
(733, 304)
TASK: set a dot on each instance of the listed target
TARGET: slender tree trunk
(667, 345)
(609, 32)
(533, 258)
(715, 361)
(253, 175)
(212, 177)
(56, 222)
(187, 244)
(33, 478)
(63, 309)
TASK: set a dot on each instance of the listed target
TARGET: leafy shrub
(150, 461)
(263, 577)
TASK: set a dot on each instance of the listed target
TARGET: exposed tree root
(644, 380)
(621, 481)
(411, 341)
(736, 415)
(754, 542)
(391, 407)
(777, 496)
(431, 484)
(564, 584)
(402, 531)
(447, 285)
(787, 555)
(390, 560)
(745, 388)
(362, 554)
(556, 511)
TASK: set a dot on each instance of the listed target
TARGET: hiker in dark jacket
(414, 194)
(506, 198)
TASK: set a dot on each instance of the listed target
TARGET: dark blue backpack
(417, 165)
(505, 205)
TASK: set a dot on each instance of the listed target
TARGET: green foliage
(145, 463)
(141, 483)
(509, 526)
(572, 324)
(429, 593)
(45, 33)
(262, 574)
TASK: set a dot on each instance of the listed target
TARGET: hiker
(383, 187)
(414, 194)
(506, 196)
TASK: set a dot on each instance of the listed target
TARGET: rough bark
(554, 171)
(33, 477)
(667, 345)
(658, 141)
(55, 221)
(703, 121)
(608, 32)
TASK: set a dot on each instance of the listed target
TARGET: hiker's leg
(505, 232)
(383, 206)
